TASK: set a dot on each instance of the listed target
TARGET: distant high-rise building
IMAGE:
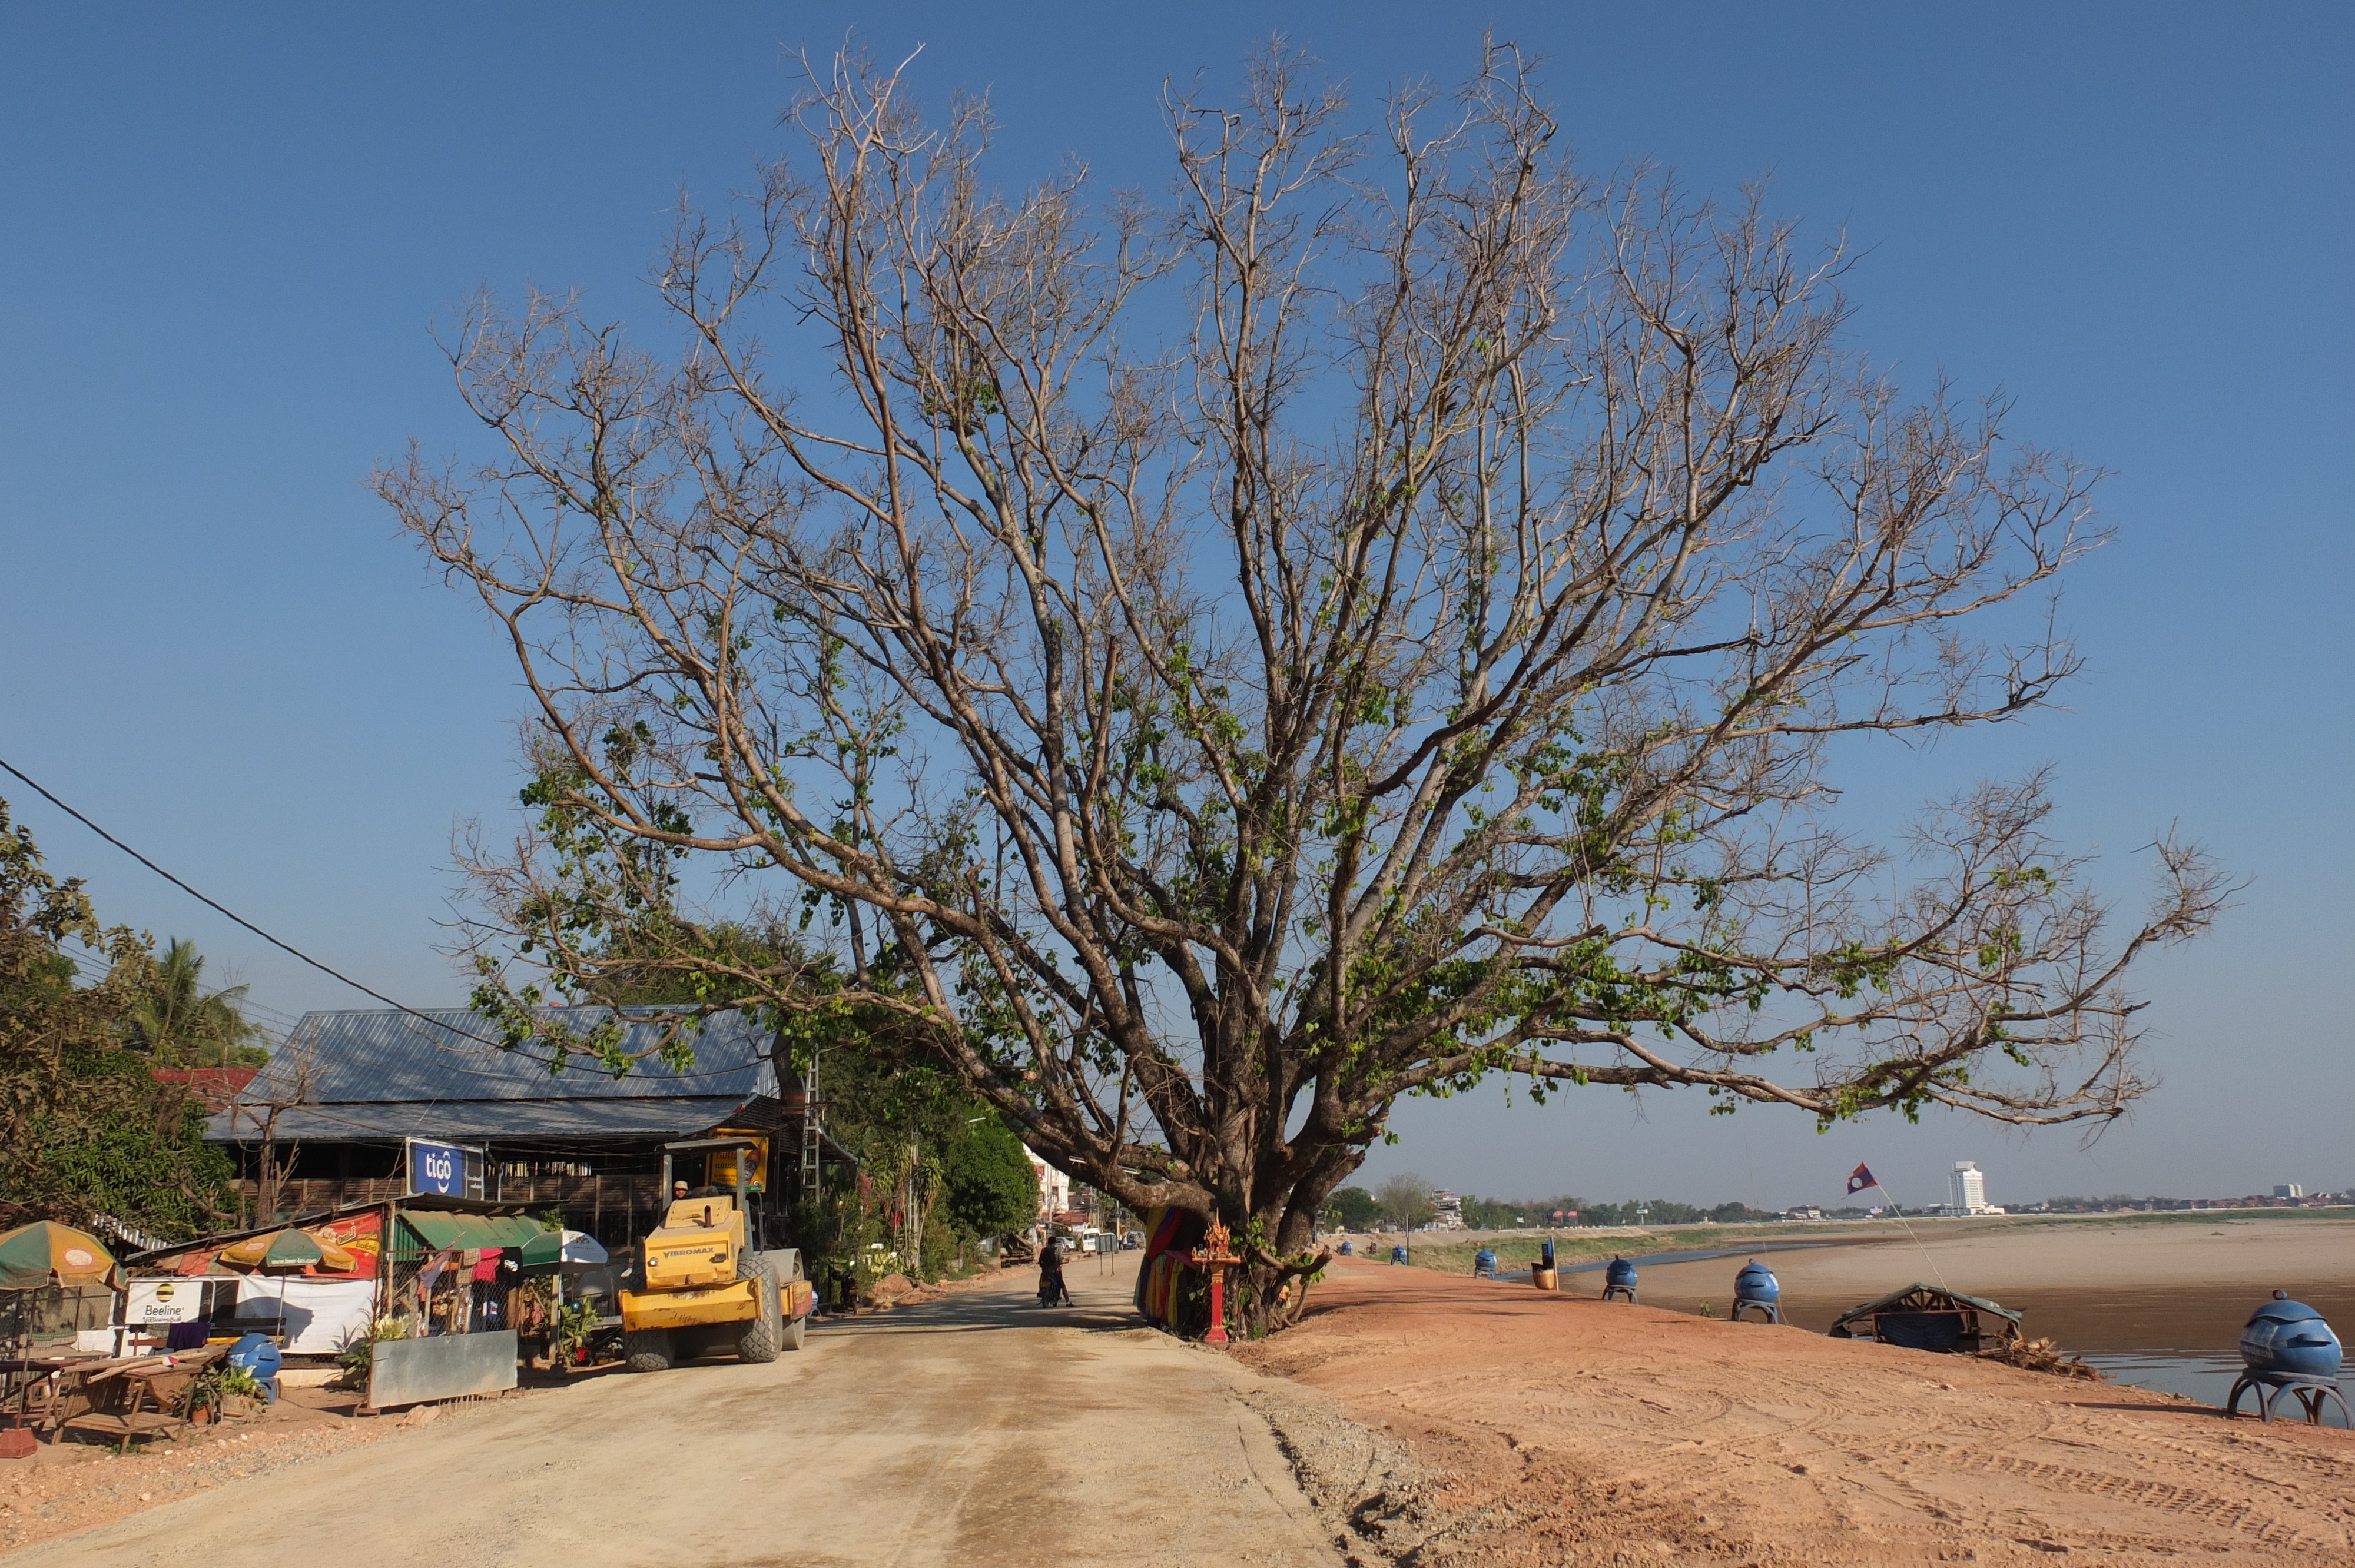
(2289, 1190)
(1966, 1191)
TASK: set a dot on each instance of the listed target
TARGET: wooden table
(119, 1398)
(32, 1382)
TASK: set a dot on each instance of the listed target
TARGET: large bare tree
(1386, 616)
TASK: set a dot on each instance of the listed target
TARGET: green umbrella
(288, 1248)
(291, 1249)
(46, 1252)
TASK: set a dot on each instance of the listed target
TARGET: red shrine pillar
(1214, 1257)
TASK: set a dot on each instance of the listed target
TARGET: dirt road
(973, 1430)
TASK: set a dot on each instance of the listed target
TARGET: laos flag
(1860, 1178)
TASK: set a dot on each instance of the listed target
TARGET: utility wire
(91, 969)
(215, 904)
(327, 969)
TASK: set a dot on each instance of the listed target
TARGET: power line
(215, 904)
(327, 969)
(262, 1016)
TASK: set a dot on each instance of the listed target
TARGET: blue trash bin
(257, 1355)
(1756, 1287)
(2288, 1349)
(2289, 1337)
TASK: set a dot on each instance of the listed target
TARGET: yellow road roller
(705, 1284)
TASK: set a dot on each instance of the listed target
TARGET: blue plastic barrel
(255, 1353)
(1756, 1282)
(2286, 1336)
(1545, 1254)
(1621, 1273)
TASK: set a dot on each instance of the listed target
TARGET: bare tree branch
(1429, 664)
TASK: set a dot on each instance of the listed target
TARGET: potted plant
(222, 1392)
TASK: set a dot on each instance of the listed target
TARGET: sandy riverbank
(2023, 1245)
(2093, 1287)
(2097, 1284)
(1569, 1431)
(2237, 1254)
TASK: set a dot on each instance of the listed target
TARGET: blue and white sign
(437, 1168)
(444, 1168)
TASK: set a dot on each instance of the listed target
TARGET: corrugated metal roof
(1928, 1298)
(474, 1121)
(345, 1075)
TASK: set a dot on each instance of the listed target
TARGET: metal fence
(435, 1292)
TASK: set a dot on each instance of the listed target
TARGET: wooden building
(328, 1123)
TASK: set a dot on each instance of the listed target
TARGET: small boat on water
(1931, 1317)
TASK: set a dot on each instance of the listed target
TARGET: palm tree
(181, 1024)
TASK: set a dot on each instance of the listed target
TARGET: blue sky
(228, 230)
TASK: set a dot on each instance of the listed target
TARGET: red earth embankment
(1578, 1432)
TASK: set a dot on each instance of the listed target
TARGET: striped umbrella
(46, 1252)
(288, 1248)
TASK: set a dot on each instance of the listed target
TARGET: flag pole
(1909, 1232)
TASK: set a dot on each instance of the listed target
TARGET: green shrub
(358, 1351)
(574, 1326)
(989, 1188)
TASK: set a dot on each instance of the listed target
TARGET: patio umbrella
(569, 1249)
(335, 1259)
(288, 1248)
(46, 1252)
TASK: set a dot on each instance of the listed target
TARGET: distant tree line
(2117, 1201)
(1356, 1209)
(1663, 1212)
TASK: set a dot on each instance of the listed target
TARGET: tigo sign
(448, 1169)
